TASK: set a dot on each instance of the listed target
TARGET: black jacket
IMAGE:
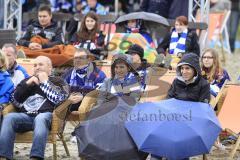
(160, 7)
(198, 90)
(52, 33)
(191, 43)
(46, 97)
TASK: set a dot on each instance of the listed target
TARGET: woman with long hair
(213, 71)
(89, 36)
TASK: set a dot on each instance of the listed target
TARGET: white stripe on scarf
(182, 40)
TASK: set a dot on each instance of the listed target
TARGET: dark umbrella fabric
(144, 16)
(173, 128)
(104, 137)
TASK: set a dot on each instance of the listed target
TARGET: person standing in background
(234, 23)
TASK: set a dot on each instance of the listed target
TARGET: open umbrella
(104, 136)
(173, 128)
(144, 16)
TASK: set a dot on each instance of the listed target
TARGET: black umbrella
(144, 16)
(104, 137)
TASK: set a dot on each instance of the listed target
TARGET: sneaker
(21, 54)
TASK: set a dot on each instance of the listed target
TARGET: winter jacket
(198, 90)
(178, 8)
(88, 44)
(34, 99)
(51, 32)
(130, 86)
(160, 7)
(191, 43)
(6, 87)
(83, 80)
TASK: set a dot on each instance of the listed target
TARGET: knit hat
(136, 49)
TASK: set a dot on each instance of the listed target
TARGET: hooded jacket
(130, 85)
(198, 90)
(51, 32)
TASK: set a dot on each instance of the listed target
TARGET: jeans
(21, 122)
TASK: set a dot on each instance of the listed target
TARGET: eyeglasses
(207, 57)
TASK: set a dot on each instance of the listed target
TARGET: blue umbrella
(173, 128)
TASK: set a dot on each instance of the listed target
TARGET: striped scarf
(129, 84)
(84, 79)
(177, 45)
(88, 44)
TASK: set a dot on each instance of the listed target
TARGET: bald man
(35, 99)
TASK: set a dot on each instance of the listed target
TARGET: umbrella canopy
(104, 136)
(173, 128)
(144, 16)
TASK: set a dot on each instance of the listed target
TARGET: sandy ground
(22, 150)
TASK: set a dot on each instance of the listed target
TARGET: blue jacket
(6, 87)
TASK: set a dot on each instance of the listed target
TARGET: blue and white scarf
(177, 45)
(129, 84)
(86, 78)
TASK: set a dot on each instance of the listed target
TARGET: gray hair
(10, 45)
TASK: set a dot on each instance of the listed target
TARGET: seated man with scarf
(83, 78)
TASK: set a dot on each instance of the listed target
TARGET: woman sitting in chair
(124, 80)
(89, 36)
(189, 84)
(213, 71)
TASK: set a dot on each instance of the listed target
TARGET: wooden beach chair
(229, 113)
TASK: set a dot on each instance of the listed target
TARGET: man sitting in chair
(83, 78)
(43, 37)
(35, 98)
(17, 72)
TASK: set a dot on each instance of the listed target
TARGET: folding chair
(56, 130)
(229, 113)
